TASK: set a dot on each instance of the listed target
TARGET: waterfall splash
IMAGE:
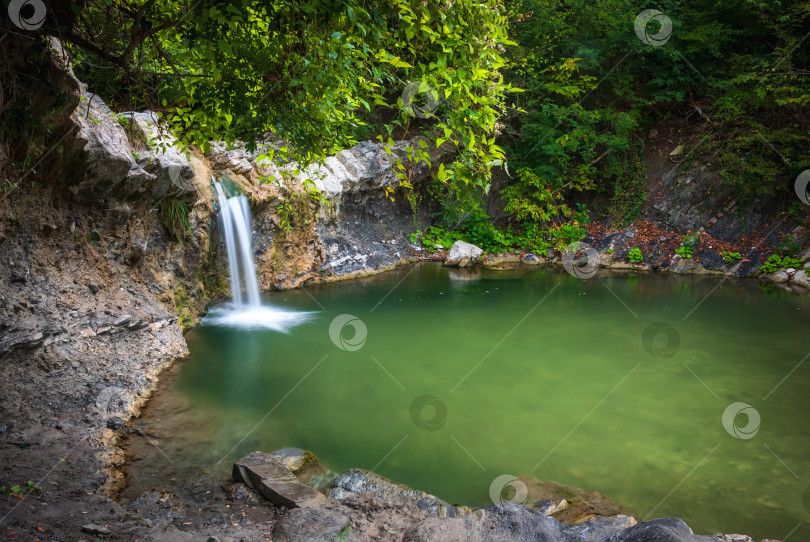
(234, 217)
(245, 309)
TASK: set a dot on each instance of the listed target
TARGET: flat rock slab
(309, 525)
(268, 476)
(305, 466)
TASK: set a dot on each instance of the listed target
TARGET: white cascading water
(246, 309)
(234, 216)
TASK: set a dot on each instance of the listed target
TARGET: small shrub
(174, 214)
(635, 256)
(435, 236)
(688, 245)
(730, 257)
(776, 262)
(789, 247)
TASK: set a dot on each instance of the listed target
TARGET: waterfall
(246, 310)
(234, 216)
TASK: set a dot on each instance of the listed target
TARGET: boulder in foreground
(268, 476)
(463, 254)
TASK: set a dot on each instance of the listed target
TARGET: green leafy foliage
(480, 231)
(735, 68)
(436, 238)
(789, 247)
(776, 262)
(635, 256)
(300, 207)
(688, 245)
(312, 74)
(730, 257)
(19, 490)
(319, 75)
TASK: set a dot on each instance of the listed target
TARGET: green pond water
(464, 377)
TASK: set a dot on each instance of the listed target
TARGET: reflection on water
(528, 371)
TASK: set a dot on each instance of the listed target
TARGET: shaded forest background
(556, 98)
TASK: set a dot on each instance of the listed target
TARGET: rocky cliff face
(355, 230)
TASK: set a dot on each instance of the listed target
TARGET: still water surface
(463, 377)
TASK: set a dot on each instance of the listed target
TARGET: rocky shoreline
(102, 278)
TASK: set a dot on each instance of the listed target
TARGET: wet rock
(802, 279)
(293, 458)
(531, 259)
(363, 482)
(548, 506)
(580, 504)
(662, 530)
(268, 476)
(305, 466)
(684, 265)
(463, 254)
(599, 528)
(309, 525)
(780, 276)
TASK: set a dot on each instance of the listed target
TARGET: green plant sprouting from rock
(174, 214)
